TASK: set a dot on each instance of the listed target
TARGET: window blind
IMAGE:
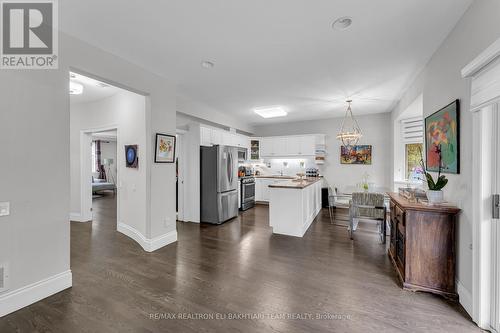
(412, 130)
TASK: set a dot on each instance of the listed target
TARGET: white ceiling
(280, 52)
(92, 89)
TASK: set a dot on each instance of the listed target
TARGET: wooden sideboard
(422, 246)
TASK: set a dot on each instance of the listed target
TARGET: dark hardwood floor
(238, 268)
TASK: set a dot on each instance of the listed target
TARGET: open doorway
(105, 189)
(180, 170)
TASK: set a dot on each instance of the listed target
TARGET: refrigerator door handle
(230, 167)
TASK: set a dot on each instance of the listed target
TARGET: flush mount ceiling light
(349, 133)
(75, 88)
(342, 23)
(207, 64)
(271, 112)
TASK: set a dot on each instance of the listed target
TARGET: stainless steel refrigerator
(219, 183)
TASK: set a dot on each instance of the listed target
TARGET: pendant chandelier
(349, 133)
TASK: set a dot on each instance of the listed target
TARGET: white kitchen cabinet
(279, 146)
(214, 136)
(262, 190)
(205, 136)
(284, 146)
(307, 145)
(293, 145)
(258, 189)
(265, 189)
(266, 147)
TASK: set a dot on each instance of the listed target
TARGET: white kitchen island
(293, 205)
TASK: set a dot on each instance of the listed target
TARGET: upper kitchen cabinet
(284, 146)
(266, 147)
(255, 149)
(210, 136)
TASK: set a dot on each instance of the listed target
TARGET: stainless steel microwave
(242, 154)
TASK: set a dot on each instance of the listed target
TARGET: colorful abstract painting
(165, 148)
(442, 132)
(356, 155)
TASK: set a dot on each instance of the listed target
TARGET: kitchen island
(293, 205)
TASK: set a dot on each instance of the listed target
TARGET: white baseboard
(22, 297)
(464, 297)
(148, 244)
(77, 217)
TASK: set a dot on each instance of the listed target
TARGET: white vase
(435, 196)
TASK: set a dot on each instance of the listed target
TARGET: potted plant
(435, 188)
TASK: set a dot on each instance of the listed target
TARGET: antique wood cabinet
(422, 246)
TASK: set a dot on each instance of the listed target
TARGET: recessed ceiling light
(342, 23)
(271, 112)
(75, 88)
(207, 64)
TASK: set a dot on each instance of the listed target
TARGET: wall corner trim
(148, 244)
(464, 297)
(24, 296)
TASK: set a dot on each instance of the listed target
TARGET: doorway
(105, 120)
(180, 170)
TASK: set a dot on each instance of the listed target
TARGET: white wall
(127, 112)
(376, 132)
(34, 129)
(441, 83)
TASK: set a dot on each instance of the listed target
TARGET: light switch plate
(4, 208)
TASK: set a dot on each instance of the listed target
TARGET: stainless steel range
(247, 192)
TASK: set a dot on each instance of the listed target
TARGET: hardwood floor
(241, 268)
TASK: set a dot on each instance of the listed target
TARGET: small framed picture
(132, 156)
(165, 148)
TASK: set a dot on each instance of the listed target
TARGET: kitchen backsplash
(289, 167)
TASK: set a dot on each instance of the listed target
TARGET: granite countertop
(275, 177)
(296, 183)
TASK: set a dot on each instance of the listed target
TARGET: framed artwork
(361, 154)
(442, 133)
(165, 148)
(132, 156)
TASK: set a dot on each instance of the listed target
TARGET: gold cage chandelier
(349, 133)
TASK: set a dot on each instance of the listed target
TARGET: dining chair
(368, 206)
(336, 200)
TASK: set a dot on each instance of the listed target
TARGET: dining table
(350, 189)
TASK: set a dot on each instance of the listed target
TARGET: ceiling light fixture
(342, 23)
(271, 112)
(207, 64)
(349, 133)
(75, 88)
